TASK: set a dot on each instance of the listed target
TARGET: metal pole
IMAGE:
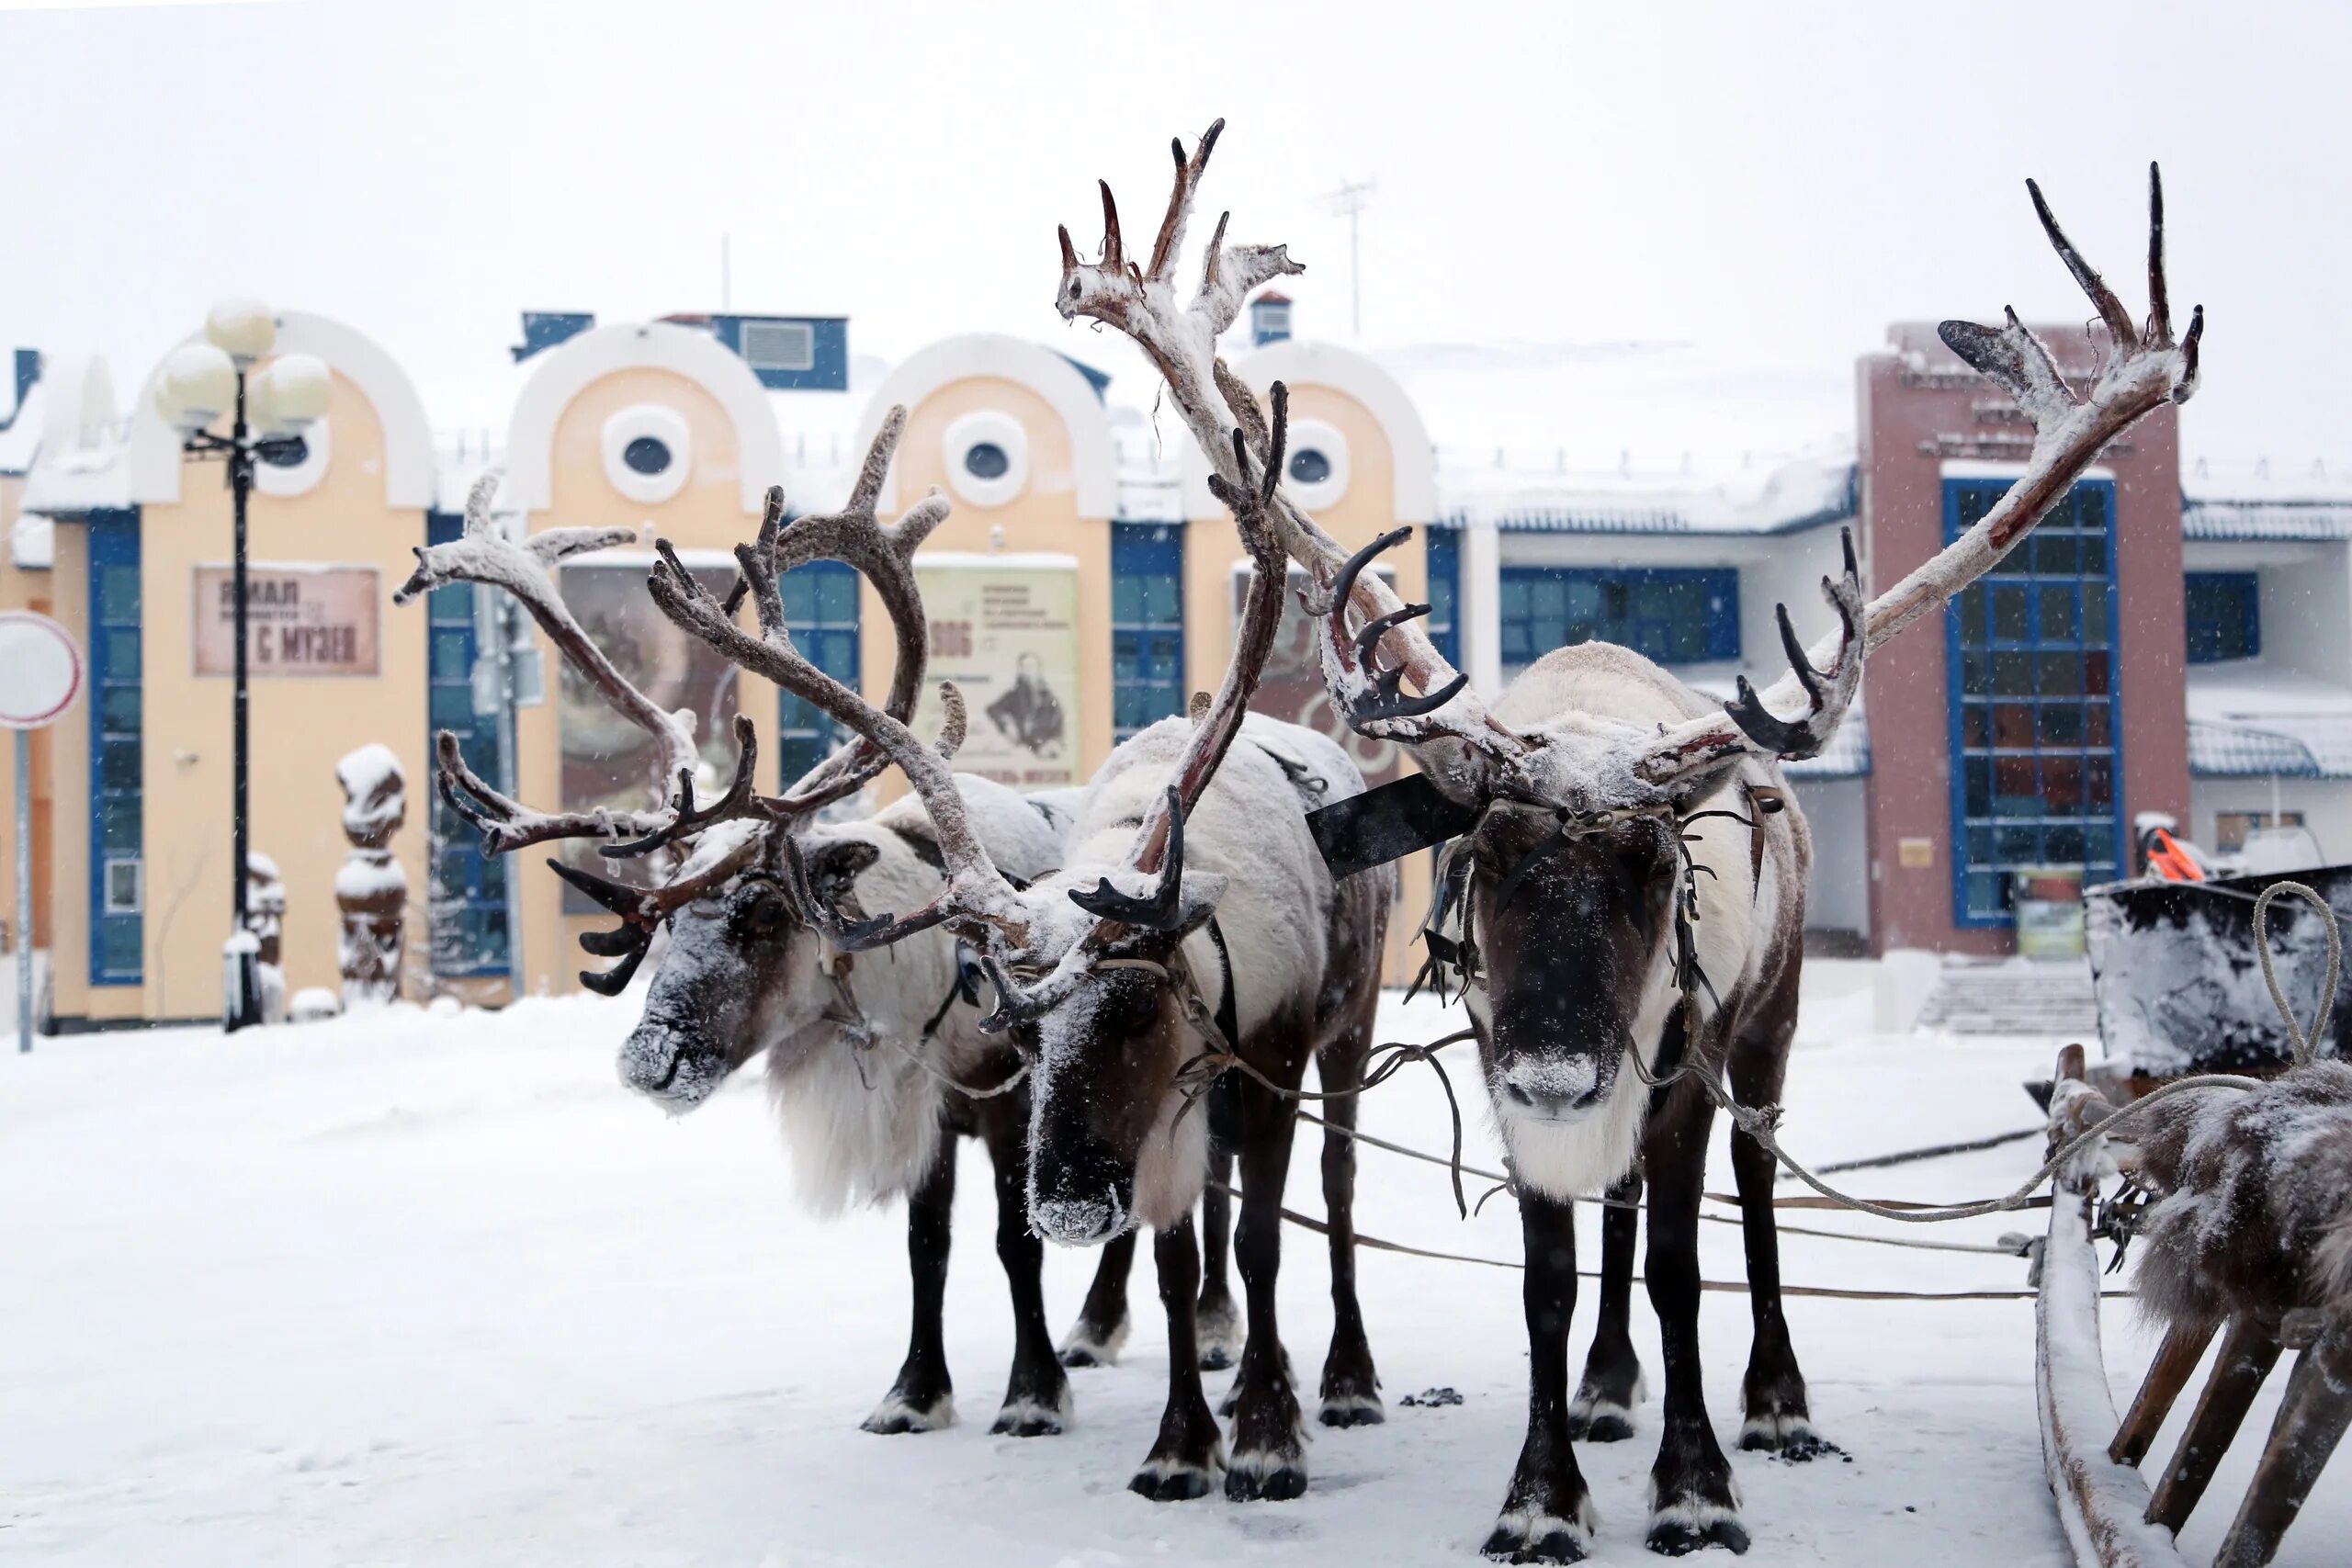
(243, 982)
(24, 890)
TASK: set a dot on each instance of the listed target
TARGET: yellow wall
(301, 725)
(1365, 511)
(1043, 517)
(706, 515)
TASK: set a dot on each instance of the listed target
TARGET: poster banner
(607, 760)
(299, 620)
(1293, 687)
(1004, 628)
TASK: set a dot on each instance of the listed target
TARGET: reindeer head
(745, 904)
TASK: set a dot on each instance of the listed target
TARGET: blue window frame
(1146, 625)
(820, 611)
(1444, 624)
(118, 829)
(1676, 616)
(468, 913)
(2224, 617)
(2036, 721)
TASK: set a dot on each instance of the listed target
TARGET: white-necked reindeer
(1123, 971)
(1633, 869)
(869, 1063)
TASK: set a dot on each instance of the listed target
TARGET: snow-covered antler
(2145, 369)
(1180, 336)
(524, 569)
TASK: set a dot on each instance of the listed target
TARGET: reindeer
(868, 1066)
(1625, 889)
(1131, 976)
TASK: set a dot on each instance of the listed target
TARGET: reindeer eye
(765, 914)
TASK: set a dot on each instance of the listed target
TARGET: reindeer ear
(834, 868)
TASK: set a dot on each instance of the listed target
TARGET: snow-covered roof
(2279, 520)
(1630, 437)
(2249, 717)
(32, 542)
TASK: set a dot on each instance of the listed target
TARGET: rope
(1728, 1287)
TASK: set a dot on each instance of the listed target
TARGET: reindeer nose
(1555, 1086)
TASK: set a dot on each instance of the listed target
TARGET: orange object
(2171, 860)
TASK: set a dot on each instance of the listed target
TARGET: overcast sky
(1775, 182)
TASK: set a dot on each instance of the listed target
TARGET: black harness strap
(1229, 1010)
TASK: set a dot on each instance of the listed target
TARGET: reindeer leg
(1036, 1399)
(1612, 1385)
(1350, 1386)
(1184, 1462)
(1547, 1513)
(923, 1400)
(1219, 1323)
(1693, 1502)
(1777, 1419)
(1269, 1439)
(1101, 1326)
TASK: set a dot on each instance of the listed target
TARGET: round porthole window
(1315, 473)
(647, 455)
(297, 466)
(986, 455)
(648, 452)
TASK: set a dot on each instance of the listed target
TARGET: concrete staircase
(2012, 995)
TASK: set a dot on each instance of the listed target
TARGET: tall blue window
(1146, 625)
(2224, 617)
(1445, 593)
(820, 612)
(468, 907)
(118, 833)
(1675, 616)
(2036, 728)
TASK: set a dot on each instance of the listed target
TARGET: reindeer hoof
(895, 1415)
(1173, 1480)
(1600, 1421)
(1524, 1537)
(1218, 1331)
(1089, 1346)
(1030, 1419)
(1679, 1531)
(1792, 1438)
(1266, 1477)
(1352, 1410)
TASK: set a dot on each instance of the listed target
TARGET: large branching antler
(526, 569)
(2145, 369)
(975, 890)
(1180, 337)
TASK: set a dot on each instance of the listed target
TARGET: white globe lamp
(243, 328)
(196, 386)
(291, 395)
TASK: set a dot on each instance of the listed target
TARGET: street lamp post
(267, 412)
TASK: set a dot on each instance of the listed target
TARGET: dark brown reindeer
(1120, 972)
(866, 1064)
(1633, 869)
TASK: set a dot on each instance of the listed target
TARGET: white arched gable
(157, 460)
(1093, 455)
(571, 366)
(1300, 364)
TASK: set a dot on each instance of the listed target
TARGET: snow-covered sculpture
(372, 890)
(266, 918)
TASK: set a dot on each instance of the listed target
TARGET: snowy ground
(435, 1289)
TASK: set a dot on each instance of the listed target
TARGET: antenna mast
(1349, 201)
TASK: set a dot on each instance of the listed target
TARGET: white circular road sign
(40, 670)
